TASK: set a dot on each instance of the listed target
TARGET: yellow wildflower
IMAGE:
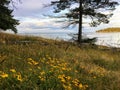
(63, 68)
(76, 82)
(67, 87)
(19, 77)
(42, 78)
(32, 62)
(35, 63)
(42, 73)
(13, 70)
(63, 80)
(29, 59)
(68, 77)
(80, 85)
(4, 75)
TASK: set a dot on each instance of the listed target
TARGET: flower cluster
(13, 74)
(3, 74)
(32, 62)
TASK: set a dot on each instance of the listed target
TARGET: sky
(31, 15)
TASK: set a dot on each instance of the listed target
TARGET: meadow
(35, 63)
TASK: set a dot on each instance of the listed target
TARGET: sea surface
(107, 39)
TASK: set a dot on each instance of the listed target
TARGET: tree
(92, 9)
(7, 22)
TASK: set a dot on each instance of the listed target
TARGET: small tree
(6, 18)
(85, 8)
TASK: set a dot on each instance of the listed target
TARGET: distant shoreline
(109, 30)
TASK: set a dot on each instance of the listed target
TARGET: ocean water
(53, 35)
(107, 39)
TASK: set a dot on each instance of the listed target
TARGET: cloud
(115, 19)
(31, 8)
(30, 13)
(38, 24)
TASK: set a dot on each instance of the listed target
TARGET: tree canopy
(7, 22)
(91, 9)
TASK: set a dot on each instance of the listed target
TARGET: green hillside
(34, 63)
(107, 30)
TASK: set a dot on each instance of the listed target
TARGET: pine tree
(86, 8)
(7, 22)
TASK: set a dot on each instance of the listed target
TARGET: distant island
(108, 30)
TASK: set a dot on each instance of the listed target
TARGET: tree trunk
(80, 23)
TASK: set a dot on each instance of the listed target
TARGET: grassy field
(33, 63)
(108, 30)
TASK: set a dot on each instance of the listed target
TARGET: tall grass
(34, 63)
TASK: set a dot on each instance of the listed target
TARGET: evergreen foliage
(7, 22)
(91, 9)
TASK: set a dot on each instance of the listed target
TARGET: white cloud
(115, 19)
(31, 8)
(38, 24)
(30, 13)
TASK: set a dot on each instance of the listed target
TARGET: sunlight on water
(55, 36)
(107, 39)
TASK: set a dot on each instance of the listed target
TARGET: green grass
(34, 63)
(108, 30)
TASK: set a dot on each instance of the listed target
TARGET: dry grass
(34, 63)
